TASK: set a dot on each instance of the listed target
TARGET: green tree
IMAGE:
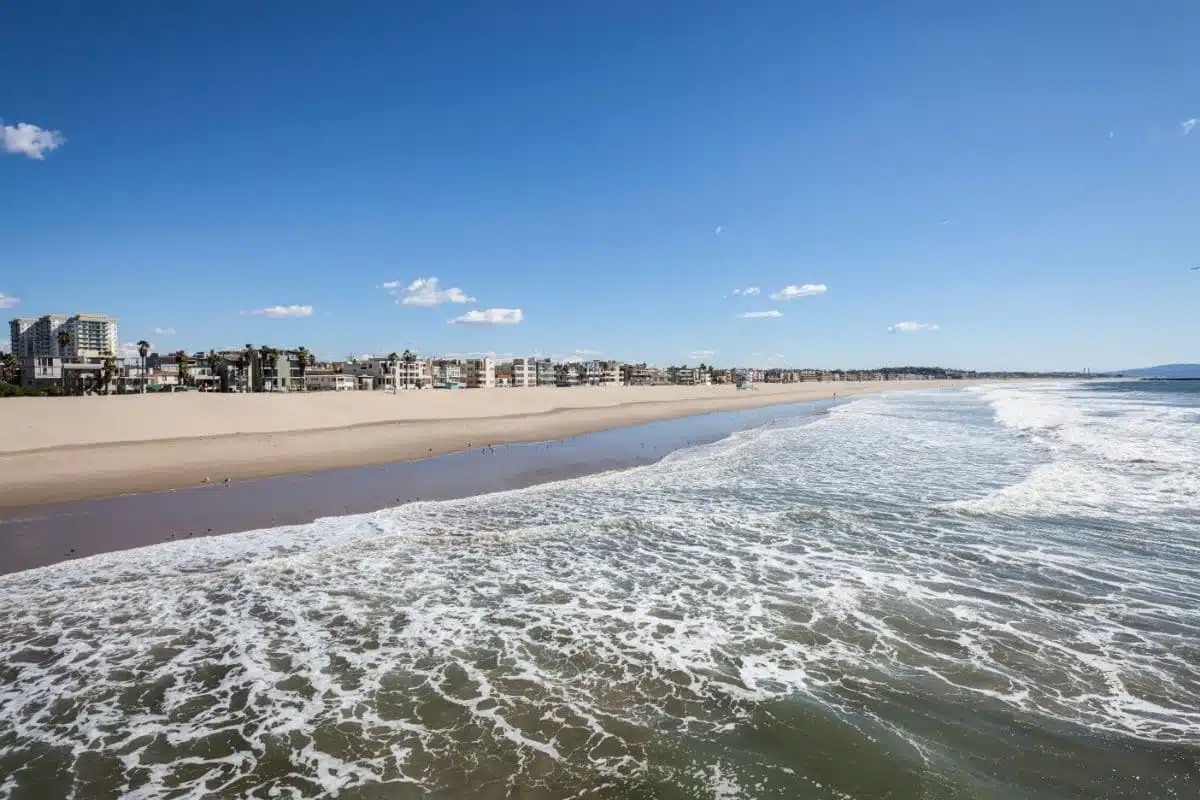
(143, 350)
(64, 342)
(213, 361)
(305, 360)
(10, 369)
(108, 371)
(247, 365)
(184, 361)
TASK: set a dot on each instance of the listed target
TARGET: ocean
(981, 593)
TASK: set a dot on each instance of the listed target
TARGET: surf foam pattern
(898, 557)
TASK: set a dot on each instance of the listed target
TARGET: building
(479, 373)
(328, 381)
(413, 374)
(690, 376)
(524, 373)
(643, 375)
(547, 375)
(504, 374)
(446, 372)
(91, 336)
(371, 373)
(39, 372)
(610, 373)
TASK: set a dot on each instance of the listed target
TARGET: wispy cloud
(424, 292)
(30, 140)
(1188, 124)
(772, 314)
(283, 312)
(792, 291)
(490, 316)
(9, 302)
(699, 354)
(164, 331)
(749, 291)
(587, 352)
(909, 327)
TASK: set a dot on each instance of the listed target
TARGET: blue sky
(1020, 175)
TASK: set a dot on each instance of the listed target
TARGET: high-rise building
(91, 336)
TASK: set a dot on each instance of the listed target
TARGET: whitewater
(992, 592)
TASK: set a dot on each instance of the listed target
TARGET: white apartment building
(446, 371)
(413, 374)
(524, 372)
(479, 373)
(330, 382)
(91, 336)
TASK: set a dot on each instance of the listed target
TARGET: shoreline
(59, 464)
(44, 535)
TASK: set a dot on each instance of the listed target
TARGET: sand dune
(80, 447)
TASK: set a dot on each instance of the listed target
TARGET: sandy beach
(87, 447)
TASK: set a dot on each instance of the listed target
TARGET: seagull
(719, 229)
(1196, 267)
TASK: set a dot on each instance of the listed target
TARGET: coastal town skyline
(43, 348)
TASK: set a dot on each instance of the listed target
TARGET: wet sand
(42, 535)
(90, 447)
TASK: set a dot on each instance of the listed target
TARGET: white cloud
(696, 355)
(283, 312)
(424, 292)
(9, 302)
(586, 352)
(490, 316)
(130, 350)
(1188, 124)
(30, 140)
(772, 314)
(390, 284)
(793, 291)
(908, 327)
(749, 291)
(164, 331)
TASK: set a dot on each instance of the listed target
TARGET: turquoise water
(982, 593)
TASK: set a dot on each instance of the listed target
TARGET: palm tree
(64, 341)
(182, 359)
(267, 355)
(109, 370)
(305, 360)
(213, 361)
(248, 366)
(392, 359)
(143, 350)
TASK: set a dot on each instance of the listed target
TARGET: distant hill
(1164, 371)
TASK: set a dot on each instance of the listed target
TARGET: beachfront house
(330, 381)
(524, 373)
(547, 374)
(479, 373)
(610, 373)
